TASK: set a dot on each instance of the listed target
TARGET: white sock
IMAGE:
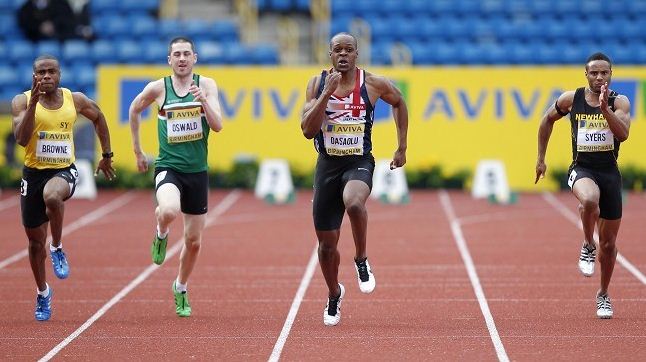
(160, 234)
(43, 293)
(180, 287)
(53, 248)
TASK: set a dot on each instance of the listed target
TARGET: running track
(457, 279)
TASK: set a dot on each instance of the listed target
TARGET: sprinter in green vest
(188, 110)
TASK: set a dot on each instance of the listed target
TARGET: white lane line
(456, 229)
(78, 223)
(575, 219)
(219, 209)
(296, 303)
(5, 204)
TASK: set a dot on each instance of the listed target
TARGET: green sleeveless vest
(183, 131)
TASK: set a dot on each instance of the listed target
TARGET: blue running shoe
(44, 306)
(59, 261)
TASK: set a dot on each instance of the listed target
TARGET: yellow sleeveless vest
(52, 143)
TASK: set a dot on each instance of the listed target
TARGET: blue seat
(380, 53)
(76, 50)
(104, 51)
(224, 31)
(170, 28)
(549, 53)
(139, 6)
(117, 26)
(265, 55)
(339, 24)
(458, 28)
(440, 8)
(469, 53)
(492, 8)
(210, 52)
(85, 75)
(156, 52)
(128, 51)
(495, 54)
(8, 75)
(415, 7)
(99, 7)
(341, 8)
(446, 53)
(408, 28)
(522, 53)
(382, 30)
(143, 27)
(431, 29)
(22, 51)
(7, 93)
(281, 5)
(302, 5)
(8, 27)
(50, 47)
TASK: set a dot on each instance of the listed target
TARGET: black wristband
(107, 154)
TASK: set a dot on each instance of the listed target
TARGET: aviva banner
(457, 116)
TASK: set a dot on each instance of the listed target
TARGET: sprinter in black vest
(600, 120)
(338, 115)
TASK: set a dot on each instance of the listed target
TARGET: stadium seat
(156, 52)
(143, 27)
(128, 51)
(99, 7)
(50, 47)
(341, 8)
(415, 7)
(104, 51)
(265, 55)
(224, 31)
(446, 53)
(8, 75)
(85, 75)
(210, 52)
(22, 51)
(8, 26)
(170, 28)
(76, 50)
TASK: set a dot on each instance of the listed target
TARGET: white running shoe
(332, 312)
(604, 307)
(365, 277)
(586, 261)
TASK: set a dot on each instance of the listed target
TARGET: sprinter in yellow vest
(188, 110)
(43, 120)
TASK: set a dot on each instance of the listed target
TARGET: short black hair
(347, 34)
(180, 39)
(45, 57)
(598, 56)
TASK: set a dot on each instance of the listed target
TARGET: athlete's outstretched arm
(619, 120)
(207, 94)
(314, 108)
(24, 113)
(144, 99)
(90, 110)
(564, 104)
(391, 95)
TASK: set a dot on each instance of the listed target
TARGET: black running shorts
(193, 188)
(609, 182)
(33, 183)
(332, 174)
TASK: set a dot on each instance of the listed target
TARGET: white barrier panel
(491, 181)
(274, 183)
(388, 185)
(85, 186)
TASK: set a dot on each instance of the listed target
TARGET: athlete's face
(182, 58)
(48, 73)
(343, 52)
(598, 73)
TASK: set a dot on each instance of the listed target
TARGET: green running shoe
(158, 249)
(182, 307)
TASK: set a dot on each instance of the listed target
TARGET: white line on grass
(78, 223)
(296, 303)
(574, 218)
(219, 209)
(456, 229)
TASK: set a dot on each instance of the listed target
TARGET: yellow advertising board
(457, 115)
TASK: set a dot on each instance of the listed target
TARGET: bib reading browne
(51, 146)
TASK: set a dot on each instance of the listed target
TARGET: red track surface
(255, 255)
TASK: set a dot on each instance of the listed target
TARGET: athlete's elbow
(309, 134)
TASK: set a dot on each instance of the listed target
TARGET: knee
(53, 201)
(193, 242)
(608, 246)
(167, 213)
(36, 246)
(326, 250)
(589, 204)
(355, 208)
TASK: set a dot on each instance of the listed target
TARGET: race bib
(344, 139)
(184, 125)
(594, 136)
(54, 148)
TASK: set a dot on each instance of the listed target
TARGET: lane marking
(461, 242)
(219, 209)
(575, 219)
(296, 303)
(77, 224)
